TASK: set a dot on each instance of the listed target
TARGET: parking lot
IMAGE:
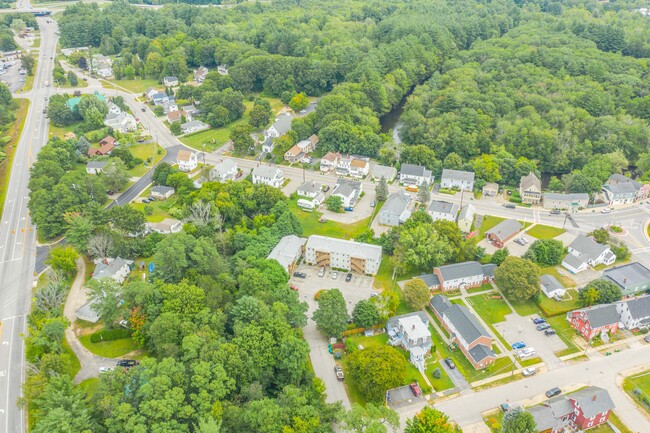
(401, 397)
(517, 328)
(516, 249)
(12, 77)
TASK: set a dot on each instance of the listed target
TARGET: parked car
(335, 275)
(321, 272)
(239, 174)
(326, 188)
(505, 407)
(300, 275)
(553, 392)
(538, 320)
(509, 205)
(606, 210)
(348, 209)
(348, 278)
(143, 109)
(549, 331)
(339, 373)
(529, 371)
(146, 201)
(646, 338)
(127, 363)
(373, 203)
(519, 345)
(151, 198)
(450, 363)
(294, 287)
(415, 389)
(543, 326)
(555, 212)
(105, 369)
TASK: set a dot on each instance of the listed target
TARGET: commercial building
(551, 200)
(343, 254)
(503, 232)
(633, 278)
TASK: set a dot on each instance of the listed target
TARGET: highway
(18, 241)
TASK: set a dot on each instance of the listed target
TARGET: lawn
(438, 384)
(638, 386)
(109, 349)
(74, 361)
(156, 211)
(541, 231)
(614, 419)
(483, 288)
(60, 131)
(135, 86)
(526, 308)
(492, 310)
(145, 151)
(374, 341)
(489, 221)
(311, 226)
(551, 307)
(13, 132)
(89, 386)
(494, 420)
(562, 275)
(529, 362)
(565, 332)
(29, 79)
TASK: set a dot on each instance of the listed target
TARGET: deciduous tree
(416, 294)
(518, 278)
(365, 314)
(331, 316)
(377, 369)
(430, 420)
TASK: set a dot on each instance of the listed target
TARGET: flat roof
(342, 246)
(628, 275)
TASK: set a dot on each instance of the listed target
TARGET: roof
(379, 171)
(176, 114)
(601, 315)
(359, 163)
(165, 225)
(332, 156)
(456, 271)
(105, 270)
(108, 140)
(467, 176)
(592, 400)
(467, 212)
(396, 203)
(352, 248)
(443, 207)
(266, 171)
(561, 406)
(628, 275)
(573, 261)
(310, 187)
(618, 178)
(171, 78)
(415, 327)
(566, 197)
(505, 229)
(620, 188)
(193, 123)
(639, 307)
(588, 247)
(287, 250)
(440, 304)
(431, 280)
(488, 269)
(87, 313)
(414, 170)
(294, 151)
(282, 124)
(549, 415)
(529, 181)
(393, 321)
(225, 166)
(491, 186)
(462, 320)
(347, 188)
(550, 283)
(162, 189)
(480, 352)
(96, 164)
(184, 155)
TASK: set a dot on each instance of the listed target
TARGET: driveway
(518, 328)
(517, 249)
(455, 376)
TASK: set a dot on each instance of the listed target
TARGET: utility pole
(462, 192)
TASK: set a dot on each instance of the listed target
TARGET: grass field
(13, 132)
(311, 226)
(438, 384)
(565, 332)
(551, 307)
(541, 231)
(563, 277)
(489, 221)
(89, 386)
(640, 382)
(60, 131)
(526, 308)
(76, 365)
(483, 288)
(109, 349)
(135, 86)
(159, 208)
(490, 309)
(614, 419)
(145, 151)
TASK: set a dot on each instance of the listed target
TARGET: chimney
(625, 280)
(594, 397)
(414, 326)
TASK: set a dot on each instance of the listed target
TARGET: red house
(105, 146)
(591, 407)
(590, 322)
(503, 232)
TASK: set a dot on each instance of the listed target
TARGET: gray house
(633, 278)
(396, 209)
(411, 174)
(442, 210)
(457, 179)
(288, 251)
(551, 200)
(635, 313)
(619, 193)
(95, 167)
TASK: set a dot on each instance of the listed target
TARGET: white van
(306, 204)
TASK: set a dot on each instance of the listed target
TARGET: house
(309, 189)
(619, 193)
(388, 173)
(308, 145)
(267, 145)
(411, 174)
(348, 190)
(343, 166)
(464, 330)
(411, 333)
(359, 168)
(69, 135)
(294, 154)
(530, 189)
(166, 226)
(288, 251)
(186, 160)
(177, 116)
(170, 81)
(490, 189)
(169, 105)
(106, 146)
(95, 167)
(119, 120)
(460, 276)
(162, 192)
(268, 175)
(101, 65)
(225, 170)
(551, 287)
(552, 416)
(635, 313)
(117, 269)
(633, 278)
(585, 252)
(330, 161)
(151, 92)
(200, 73)
(457, 179)
(503, 232)
(222, 70)
(466, 218)
(551, 200)
(190, 110)
(87, 313)
(281, 126)
(593, 321)
(642, 189)
(395, 210)
(159, 98)
(193, 126)
(442, 210)
(343, 254)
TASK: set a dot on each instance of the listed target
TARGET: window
(590, 424)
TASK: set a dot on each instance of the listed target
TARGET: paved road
(17, 243)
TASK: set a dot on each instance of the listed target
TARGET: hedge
(110, 335)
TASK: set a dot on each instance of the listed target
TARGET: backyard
(492, 309)
(312, 226)
(551, 307)
(638, 387)
(156, 211)
(134, 86)
(109, 349)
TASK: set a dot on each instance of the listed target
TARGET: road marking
(640, 250)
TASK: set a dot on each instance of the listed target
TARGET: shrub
(110, 335)
(436, 373)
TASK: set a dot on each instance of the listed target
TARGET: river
(391, 120)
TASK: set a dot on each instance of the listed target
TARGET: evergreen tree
(381, 190)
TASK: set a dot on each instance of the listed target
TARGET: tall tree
(518, 421)
(430, 420)
(518, 278)
(381, 190)
(331, 316)
(105, 294)
(377, 369)
(417, 294)
(365, 314)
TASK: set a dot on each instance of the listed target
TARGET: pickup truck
(339, 372)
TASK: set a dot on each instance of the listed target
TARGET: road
(18, 242)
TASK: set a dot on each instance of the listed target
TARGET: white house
(162, 192)
(466, 218)
(635, 313)
(359, 168)
(268, 175)
(116, 268)
(551, 287)
(225, 170)
(457, 179)
(186, 160)
(193, 126)
(281, 126)
(442, 210)
(169, 105)
(151, 92)
(119, 120)
(387, 172)
(396, 209)
(343, 166)
(166, 226)
(330, 161)
(348, 190)
(102, 65)
(585, 252)
(619, 193)
(343, 254)
(199, 74)
(170, 81)
(309, 189)
(411, 332)
(461, 275)
(95, 167)
(411, 174)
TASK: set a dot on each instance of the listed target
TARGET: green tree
(126, 219)
(555, 184)
(158, 110)
(430, 420)
(64, 260)
(241, 137)
(377, 369)
(334, 203)
(80, 229)
(105, 294)
(518, 421)
(365, 314)
(62, 408)
(370, 419)
(424, 193)
(545, 252)
(416, 294)
(420, 247)
(331, 316)
(453, 161)
(381, 190)
(175, 128)
(499, 256)
(260, 114)
(115, 175)
(600, 292)
(72, 78)
(518, 278)
(299, 102)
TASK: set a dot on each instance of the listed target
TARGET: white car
(105, 369)
(529, 371)
(335, 275)
(606, 210)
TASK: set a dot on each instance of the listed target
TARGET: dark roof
(587, 246)
(550, 283)
(602, 315)
(488, 270)
(443, 207)
(628, 275)
(431, 280)
(458, 175)
(620, 188)
(414, 170)
(460, 270)
(161, 189)
(505, 229)
(480, 352)
(639, 307)
(592, 400)
(463, 321)
(96, 164)
(440, 304)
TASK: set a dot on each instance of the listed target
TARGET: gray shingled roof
(460, 270)
(566, 197)
(639, 307)
(480, 352)
(383, 170)
(529, 181)
(550, 283)
(310, 187)
(618, 178)
(573, 261)
(392, 322)
(431, 280)
(283, 124)
(414, 170)
(265, 171)
(465, 323)
(467, 176)
(505, 229)
(443, 207)
(103, 270)
(602, 315)
(561, 406)
(467, 211)
(440, 304)
(161, 189)
(96, 164)
(620, 188)
(396, 203)
(592, 400)
(488, 269)
(628, 275)
(588, 247)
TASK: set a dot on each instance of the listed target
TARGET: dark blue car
(538, 320)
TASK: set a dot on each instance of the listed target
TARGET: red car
(294, 287)
(415, 388)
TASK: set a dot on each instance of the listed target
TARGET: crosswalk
(645, 208)
(640, 250)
